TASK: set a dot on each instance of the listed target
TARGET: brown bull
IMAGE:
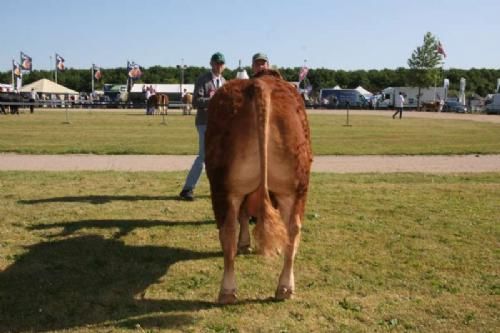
(258, 159)
(159, 103)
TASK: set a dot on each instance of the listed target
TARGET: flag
(97, 73)
(60, 63)
(26, 62)
(134, 70)
(440, 49)
(16, 68)
(303, 73)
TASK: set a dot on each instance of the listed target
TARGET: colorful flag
(134, 70)
(26, 62)
(16, 68)
(440, 49)
(60, 63)
(303, 73)
(97, 73)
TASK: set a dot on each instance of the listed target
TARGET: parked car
(454, 106)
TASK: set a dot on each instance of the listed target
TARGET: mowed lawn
(131, 132)
(111, 251)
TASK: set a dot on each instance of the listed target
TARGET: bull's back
(232, 138)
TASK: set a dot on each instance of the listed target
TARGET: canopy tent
(45, 86)
(163, 87)
(6, 87)
(364, 92)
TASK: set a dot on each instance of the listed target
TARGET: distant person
(33, 98)
(204, 89)
(260, 62)
(147, 95)
(400, 101)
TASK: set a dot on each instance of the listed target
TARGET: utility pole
(182, 67)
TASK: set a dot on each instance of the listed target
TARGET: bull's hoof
(283, 293)
(227, 297)
(245, 250)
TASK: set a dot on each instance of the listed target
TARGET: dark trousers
(32, 107)
(400, 111)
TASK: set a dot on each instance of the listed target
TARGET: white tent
(163, 88)
(44, 86)
(364, 92)
(6, 87)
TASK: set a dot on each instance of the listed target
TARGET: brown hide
(257, 144)
(187, 98)
(159, 102)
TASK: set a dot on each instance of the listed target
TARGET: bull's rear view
(258, 159)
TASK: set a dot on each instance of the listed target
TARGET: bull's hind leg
(286, 284)
(227, 237)
(244, 236)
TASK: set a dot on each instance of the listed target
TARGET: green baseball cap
(218, 58)
(260, 56)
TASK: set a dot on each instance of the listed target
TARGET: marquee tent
(45, 86)
(364, 92)
(163, 87)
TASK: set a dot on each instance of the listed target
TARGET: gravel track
(337, 164)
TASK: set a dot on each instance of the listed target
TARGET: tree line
(480, 81)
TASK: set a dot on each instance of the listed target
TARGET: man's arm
(200, 94)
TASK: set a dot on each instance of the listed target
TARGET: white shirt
(214, 80)
(400, 100)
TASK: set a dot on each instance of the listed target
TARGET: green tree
(424, 63)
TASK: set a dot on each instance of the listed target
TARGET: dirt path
(338, 164)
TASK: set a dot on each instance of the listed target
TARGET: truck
(341, 98)
(427, 95)
(493, 105)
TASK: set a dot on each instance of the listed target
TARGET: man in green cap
(260, 62)
(204, 89)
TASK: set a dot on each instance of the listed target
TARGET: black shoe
(187, 195)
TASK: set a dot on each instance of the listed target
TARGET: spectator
(33, 98)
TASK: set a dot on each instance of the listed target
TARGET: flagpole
(55, 66)
(13, 74)
(92, 79)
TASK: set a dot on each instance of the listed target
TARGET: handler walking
(204, 89)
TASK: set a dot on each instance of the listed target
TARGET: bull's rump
(232, 143)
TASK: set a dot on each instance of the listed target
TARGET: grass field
(105, 132)
(110, 251)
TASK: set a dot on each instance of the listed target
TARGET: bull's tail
(270, 233)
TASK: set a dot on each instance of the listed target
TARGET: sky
(347, 35)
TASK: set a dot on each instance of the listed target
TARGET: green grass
(127, 132)
(111, 251)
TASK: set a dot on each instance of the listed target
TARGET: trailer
(493, 105)
(427, 95)
(341, 98)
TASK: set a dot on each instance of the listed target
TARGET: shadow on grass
(124, 226)
(103, 199)
(91, 280)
